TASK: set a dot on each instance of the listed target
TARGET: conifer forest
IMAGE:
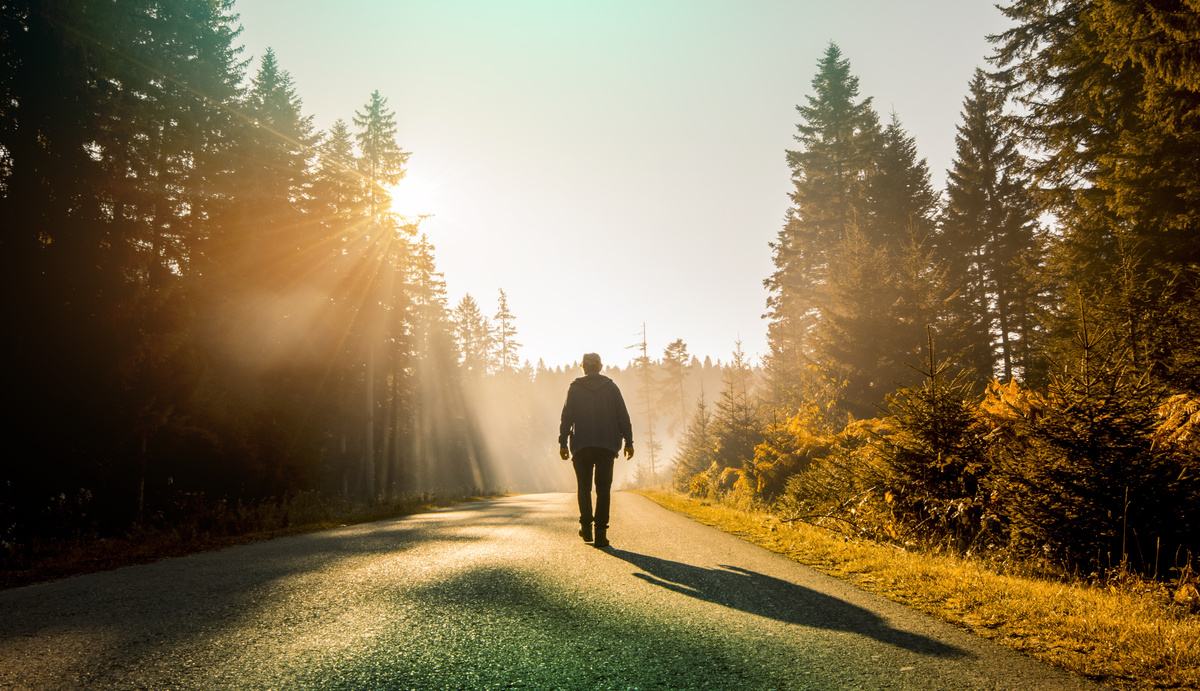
(212, 303)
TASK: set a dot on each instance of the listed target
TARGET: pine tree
(1080, 480)
(381, 159)
(936, 452)
(901, 202)
(112, 176)
(382, 250)
(736, 428)
(473, 334)
(697, 450)
(505, 335)
(1105, 89)
(876, 304)
(672, 394)
(856, 339)
(282, 138)
(426, 289)
(988, 234)
(903, 206)
(334, 267)
(253, 276)
(339, 192)
(839, 135)
(264, 259)
(436, 441)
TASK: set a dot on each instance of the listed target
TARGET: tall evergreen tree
(506, 344)
(856, 338)
(283, 138)
(257, 306)
(987, 242)
(474, 334)
(839, 137)
(901, 201)
(381, 159)
(436, 442)
(736, 428)
(115, 128)
(333, 268)
(339, 193)
(1106, 89)
(427, 288)
(696, 452)
(253, 269)
(672, 396)
(383, 249)
(876, 308)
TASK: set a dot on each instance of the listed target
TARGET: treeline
(661, 395)
(207, 301)
(520, 411)
(1009, 365)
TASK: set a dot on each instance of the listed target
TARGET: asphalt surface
(493, 594)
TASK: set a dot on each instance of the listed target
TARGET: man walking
(595, 421)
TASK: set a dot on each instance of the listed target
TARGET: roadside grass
(208, 527)
(1129, 637)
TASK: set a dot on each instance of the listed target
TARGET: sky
(614, 165)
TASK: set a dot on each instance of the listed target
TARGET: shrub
(1076, 475)
(845, 487)
(787, 449)
(935, 454)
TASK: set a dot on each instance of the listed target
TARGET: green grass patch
(1128, 636)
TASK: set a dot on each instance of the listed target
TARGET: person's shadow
(777, 599)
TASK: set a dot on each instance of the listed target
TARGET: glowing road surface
(492, 594)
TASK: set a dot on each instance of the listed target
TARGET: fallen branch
(830, 514)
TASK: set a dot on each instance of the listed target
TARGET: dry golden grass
(1119, 636)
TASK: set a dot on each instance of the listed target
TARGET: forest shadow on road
(213, 590)
(774, 598)
(500, 626)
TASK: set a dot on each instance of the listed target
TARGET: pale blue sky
(614, 163)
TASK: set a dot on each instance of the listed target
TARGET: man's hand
(564, 453)
(628, 451)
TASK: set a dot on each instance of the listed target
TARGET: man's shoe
(601, 537)
(585, 532)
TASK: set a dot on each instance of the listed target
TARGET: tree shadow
(774, 598)
(170, 600)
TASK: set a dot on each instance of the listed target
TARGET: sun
(415, 195)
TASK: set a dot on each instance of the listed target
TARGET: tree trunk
(141, 493)
(368, 459)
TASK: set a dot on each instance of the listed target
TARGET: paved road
(495, 594)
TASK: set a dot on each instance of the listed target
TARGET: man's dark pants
(599, 461)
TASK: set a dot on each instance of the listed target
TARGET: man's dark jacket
(594, 415)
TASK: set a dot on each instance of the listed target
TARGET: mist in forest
(518, 419)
